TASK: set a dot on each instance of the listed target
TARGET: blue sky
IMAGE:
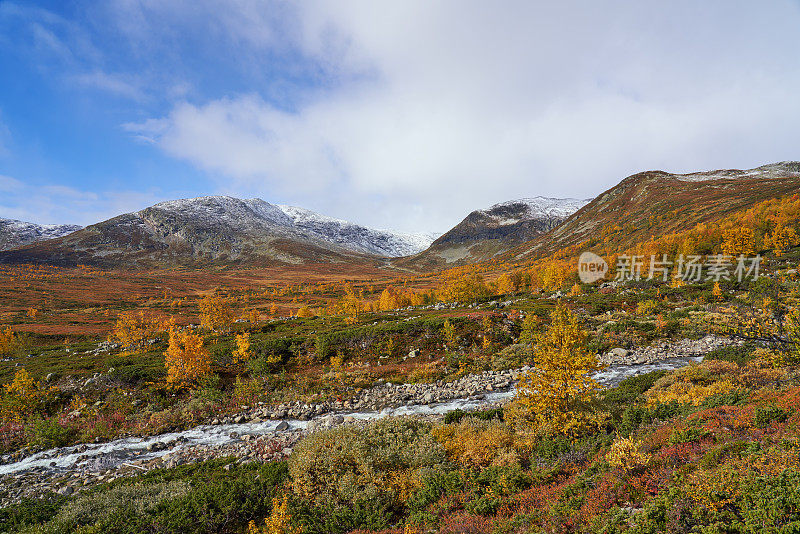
(403, 115)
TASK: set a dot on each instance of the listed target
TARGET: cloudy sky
(401, 114)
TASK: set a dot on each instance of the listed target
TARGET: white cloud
(9, 184)
(120, 85)
(472, 103)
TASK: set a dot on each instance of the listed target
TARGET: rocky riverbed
(265, 433)
(685, 348)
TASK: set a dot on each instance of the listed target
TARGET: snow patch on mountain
(533, 208)
(255, 213)
(356, 237)
(14, 233)
(783, 169)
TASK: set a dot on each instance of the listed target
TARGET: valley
(228, 365)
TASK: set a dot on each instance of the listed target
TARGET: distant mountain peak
(537, 207)
(14, 233)
(358, 238)
(221, 229)
(511, 222)
(782, 169)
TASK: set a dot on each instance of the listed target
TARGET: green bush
(349, 464)
(687, 435)
(29, 512)
(370, 515)
(636, 415)
(209, 388)
(736, 397)
(434, 485)
(48, 434)
(738, 354)
(457, 415)
(631, 388)
(188, 499)
(132, 370)
(764, 415)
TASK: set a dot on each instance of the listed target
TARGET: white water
(97, 457)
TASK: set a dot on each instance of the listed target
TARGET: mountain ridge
(15, 233)
(218, 229)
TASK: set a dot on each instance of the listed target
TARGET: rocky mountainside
(355, 237)
(216, 229)
(15, 233)
(485, 233)
(655, 203)
(514, 221)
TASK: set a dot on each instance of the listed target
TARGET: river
(113, 454)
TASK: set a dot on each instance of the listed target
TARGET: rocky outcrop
(685, 348)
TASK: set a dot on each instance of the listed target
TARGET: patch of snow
(784, 169)
(258, 215)
(14, 233)
(356, 237)
(535, 207)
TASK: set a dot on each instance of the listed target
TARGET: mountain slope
(655, 203)
(483, 234)
(15, 233)
(199, 231)
(355, 237)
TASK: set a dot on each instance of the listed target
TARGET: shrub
(736, 397)
(687, 435)
(477, 443)
(29, 512)
(132, 370)
(625, 453)
(48, 434)
(379, 462)
(738, 354)
(457, 415)
(646, 307)
(189, 499)
(764, 415)
(434, 485)
(632, 387)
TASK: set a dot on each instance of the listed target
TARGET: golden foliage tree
(8, 341)
(717, 291)
(216, 313)
(505, 284)
(351, 305)
(279, 521)
(739, 240)
(242, 352)
(462, 285)
(449, 333)
(304, 312)
(782, 239)
(547, 396)
(22, 395)
(133, 328)
(530, 329)
(626, 453)
(186, 359)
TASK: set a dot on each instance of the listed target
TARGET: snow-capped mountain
(514, 221)
(307, 223)
(217, 229)
(485, 233)
(15, 233)
(355, 237)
